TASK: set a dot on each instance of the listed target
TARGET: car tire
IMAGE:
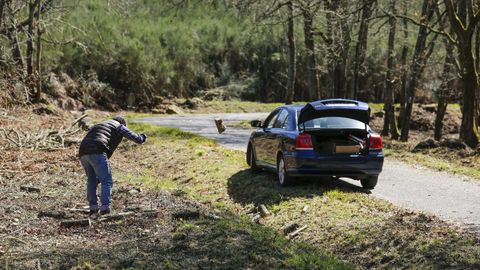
(251, 160)
(283, 178)
(369, 182)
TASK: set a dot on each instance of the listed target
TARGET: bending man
(95, 150)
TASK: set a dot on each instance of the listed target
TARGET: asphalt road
(451, 197)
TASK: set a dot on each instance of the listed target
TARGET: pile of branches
(42, 139)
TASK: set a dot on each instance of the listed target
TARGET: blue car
(323, 138)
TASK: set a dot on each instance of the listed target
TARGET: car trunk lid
(335, 107)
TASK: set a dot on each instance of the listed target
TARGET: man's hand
(144, 136)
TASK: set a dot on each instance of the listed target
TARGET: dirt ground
(30, 219)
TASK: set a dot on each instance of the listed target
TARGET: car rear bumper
(310, 163)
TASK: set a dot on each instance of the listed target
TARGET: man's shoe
(105, 212)
(93, 212)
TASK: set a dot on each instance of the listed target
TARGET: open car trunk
(337, 126)
(328, 142)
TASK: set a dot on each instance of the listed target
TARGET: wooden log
(256, 218)
(113, 217)
(290, 227)
(305, 209)
(220, 126)
(76, 223)
(186, 214)
(52, 214)
(263, 210)
(296, 232)
(29, 189)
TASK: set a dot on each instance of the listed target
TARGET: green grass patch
(435, 163)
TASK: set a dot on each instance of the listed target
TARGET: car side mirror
(256, 123)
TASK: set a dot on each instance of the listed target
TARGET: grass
(439, 159)
(236, 106)
(342, 218)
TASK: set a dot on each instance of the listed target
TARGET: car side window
(271, 120)
(281, 120)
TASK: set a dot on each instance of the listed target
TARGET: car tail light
(376, 141)
(304, 142)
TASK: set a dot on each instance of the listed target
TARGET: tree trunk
(417, 66)
(312, 79)
(15, 47)
(469, 127)
(390, 124)
(341, 68)
(444, 91)
(403, 62)
(330, 8)
(463, 23)
(291, 55)
(2, 8)
(30, 37)
(38, 94)
(361, 47)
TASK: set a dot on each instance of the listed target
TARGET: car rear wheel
(251, 159)
(370, 182)
(283, 178)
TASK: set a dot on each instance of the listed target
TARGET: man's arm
(132, 136)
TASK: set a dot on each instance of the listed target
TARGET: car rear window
(334, 122)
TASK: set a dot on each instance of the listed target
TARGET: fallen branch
(113, 217)
(29, 189)
(52, 214)
(79, 119)
(290, 227)
(186, 214)
(297, 232)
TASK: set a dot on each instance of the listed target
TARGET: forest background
(126, 54)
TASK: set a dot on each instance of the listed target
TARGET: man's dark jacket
(102, 138)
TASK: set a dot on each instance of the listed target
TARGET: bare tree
(390, 124)
(403, 63)
(361, 47)
(420, 56)
(445, 89)
(309, 9)
(464, 19)
(291, 54)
